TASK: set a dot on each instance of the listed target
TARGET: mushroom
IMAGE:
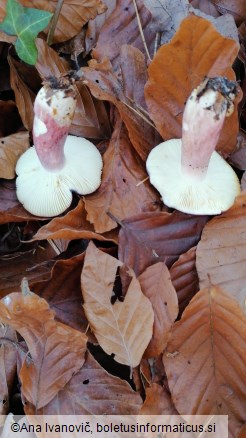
(188, 173)
(58, 163)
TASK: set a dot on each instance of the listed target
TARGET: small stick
(54, 22)
(141, 182)
(141, 30)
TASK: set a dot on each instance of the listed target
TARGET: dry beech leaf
(119, 192)
(196, 50)
(85, 121)
(238, 157)
(95, 25)
(221, 252)
(224, 24)
(207, 352)
(156, 285)
(56, 350)
(92, 391)
(104, 84)
(24, 96)
(236, 8)
(123, 329)
(121, 28)
(11, 148)
(158, 402)
(205, 6)
(167, 16)
(184, 277)
(3, 36)
(63, 292)
(243, 181)
(35, 264)
(74, 14)
(7, 366)
(154, 237)
(72, 225)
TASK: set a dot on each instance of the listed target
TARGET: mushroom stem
(203, 118)
(53, 113)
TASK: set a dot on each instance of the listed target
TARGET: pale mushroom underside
(211, 195)
(45, 193)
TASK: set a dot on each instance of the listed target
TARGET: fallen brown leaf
(220, 255)
(105, 85)
(119, 193)
(207, 352)
(95, 25)
(154, 237)
(73, 225)
(56, 350)
(35, 264)
(123, 329)
(78, 11)
(122, 27)
(24, 96)
(184, 278)
(236, 8)
(156, 285)
(92, 391)
(63, 292)
(7, 366)
(158, 402)
(196, 50)
(11, 148)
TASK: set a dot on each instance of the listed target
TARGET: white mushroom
(188, 173)
(57, 164)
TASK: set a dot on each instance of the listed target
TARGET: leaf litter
(138, 280)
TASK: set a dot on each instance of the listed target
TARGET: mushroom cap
(48, 193)
(211, 195)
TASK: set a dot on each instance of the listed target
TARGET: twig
(53, 22)
(141, 30)
(139, 114)
(141, 182)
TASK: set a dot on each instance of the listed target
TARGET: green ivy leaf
(25, 23)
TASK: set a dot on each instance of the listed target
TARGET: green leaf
(25, 23)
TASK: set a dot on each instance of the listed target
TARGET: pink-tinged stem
(203, 119)
(201, 128)
(54, 110)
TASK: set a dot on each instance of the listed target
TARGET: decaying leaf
(72, 225)
(196, 50)
(121, 28)
(105, 85)
(95, 25)
(24, 96)
(7, 366)
(123, 329)
(119, 193)
(11, 148)
(236, 8)
(158, 402)
(184, 277)
(63, 292)
(78, 12)
(56, 350)
(156, 285)
(92, 391)
(154, 237)
(205, 358)
(221, 252)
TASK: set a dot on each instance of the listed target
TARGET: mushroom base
(211, 195)
(48, 194)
